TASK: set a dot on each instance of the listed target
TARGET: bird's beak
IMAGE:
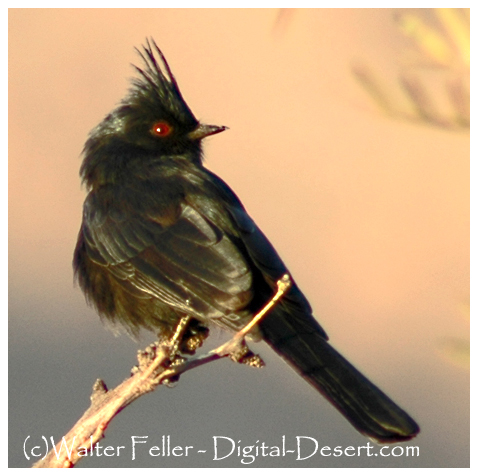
(204, 130)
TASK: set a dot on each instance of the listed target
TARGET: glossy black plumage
(162, 237)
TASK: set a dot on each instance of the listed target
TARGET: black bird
(163, 238)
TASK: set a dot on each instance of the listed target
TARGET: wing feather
(189, 264)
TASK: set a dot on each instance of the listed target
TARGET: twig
(155, 367)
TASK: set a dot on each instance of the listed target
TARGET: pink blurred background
(371, 214)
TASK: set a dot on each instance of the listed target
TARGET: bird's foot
(193, 338)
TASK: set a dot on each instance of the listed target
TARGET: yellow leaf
(427, 39)
(458, 28)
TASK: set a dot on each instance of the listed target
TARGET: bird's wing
(184, 260)
(264, 259)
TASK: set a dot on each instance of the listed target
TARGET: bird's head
(151, 122)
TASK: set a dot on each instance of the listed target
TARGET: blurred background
(348, 143)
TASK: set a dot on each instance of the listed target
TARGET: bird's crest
(157, 80)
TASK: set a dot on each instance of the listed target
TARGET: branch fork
(158, 364)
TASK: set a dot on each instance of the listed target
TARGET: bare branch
(155, 367)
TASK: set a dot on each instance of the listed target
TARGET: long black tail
(303, 344)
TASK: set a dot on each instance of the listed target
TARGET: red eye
(161, 129)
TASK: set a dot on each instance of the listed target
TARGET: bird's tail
(303, 344)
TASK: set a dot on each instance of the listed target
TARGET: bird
(163, 238)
